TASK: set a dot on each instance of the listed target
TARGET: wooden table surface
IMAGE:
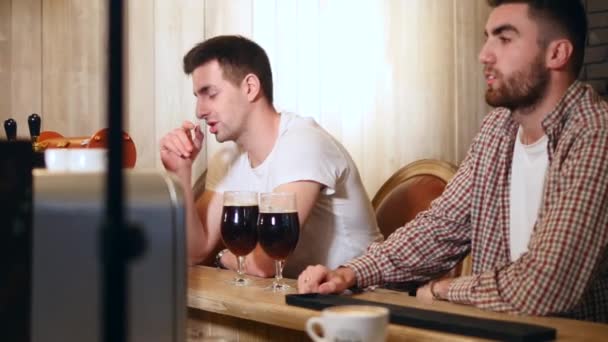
(254, 313)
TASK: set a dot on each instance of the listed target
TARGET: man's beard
(523, 90)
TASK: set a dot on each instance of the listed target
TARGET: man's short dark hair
(237, 56)
(567, 16)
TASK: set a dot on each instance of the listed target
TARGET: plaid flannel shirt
(565, 271)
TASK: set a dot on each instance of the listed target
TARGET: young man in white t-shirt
(280, 152)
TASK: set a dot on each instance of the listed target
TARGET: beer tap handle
(10, 128)
(33, 121)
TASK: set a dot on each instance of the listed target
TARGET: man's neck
(531, 125)
(530, 119)
(260, 135)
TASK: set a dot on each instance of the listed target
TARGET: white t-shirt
(341, 224)
(527, 178)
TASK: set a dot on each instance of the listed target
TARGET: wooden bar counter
(218, 309)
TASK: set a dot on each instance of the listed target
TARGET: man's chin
(491, 99)
(494, 99)
(220, 139)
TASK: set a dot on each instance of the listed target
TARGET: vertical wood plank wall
(20, 61)
(5, 57)
(394, 81)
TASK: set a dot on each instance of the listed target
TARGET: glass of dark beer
(278, 230)
(238, 228)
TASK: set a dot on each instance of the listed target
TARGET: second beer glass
(278, 230)
(239, 231)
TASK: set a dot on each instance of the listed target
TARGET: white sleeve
(310, 155)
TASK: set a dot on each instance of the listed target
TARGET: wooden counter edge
(256, 304)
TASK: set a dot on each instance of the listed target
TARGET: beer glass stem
(240, 278)
(278, 273)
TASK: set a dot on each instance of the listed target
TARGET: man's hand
(319, 279)
(440, 287)
(180, 147)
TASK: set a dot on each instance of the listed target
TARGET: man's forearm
(194, 229)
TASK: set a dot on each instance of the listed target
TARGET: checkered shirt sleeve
(429, 245)
(566, 249)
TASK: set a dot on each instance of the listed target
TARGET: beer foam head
(278, 202)
(240, 198)
(273, 210)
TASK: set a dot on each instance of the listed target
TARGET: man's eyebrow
(503, 28)
(203, 90)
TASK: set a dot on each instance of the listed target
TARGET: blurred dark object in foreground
(15, 239)
(67, 272)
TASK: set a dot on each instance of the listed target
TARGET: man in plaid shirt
(530, 200)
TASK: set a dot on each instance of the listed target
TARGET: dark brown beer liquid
(278, 233)
(239, 231)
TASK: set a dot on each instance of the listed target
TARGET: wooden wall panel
(20, 62)
(26, 61)
(470, 106)
(74, 66)
(178, 27)
(140, 98)
(5, 62)
(422, 60)
(192, 32)
(167, 52)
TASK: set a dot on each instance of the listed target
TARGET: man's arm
(178, 149)
(258, 263)
(565, 249)
(431, 244)
(202, 220)
(434, 242)
(422, 249)
(204, 226)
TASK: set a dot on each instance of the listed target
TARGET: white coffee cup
(87, 159)
(56, 159)
(353, 323)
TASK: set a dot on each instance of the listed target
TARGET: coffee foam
(357, 310)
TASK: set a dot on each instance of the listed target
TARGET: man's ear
(559, 54)
(251, 87)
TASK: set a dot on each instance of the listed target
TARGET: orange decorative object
(50, 139)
